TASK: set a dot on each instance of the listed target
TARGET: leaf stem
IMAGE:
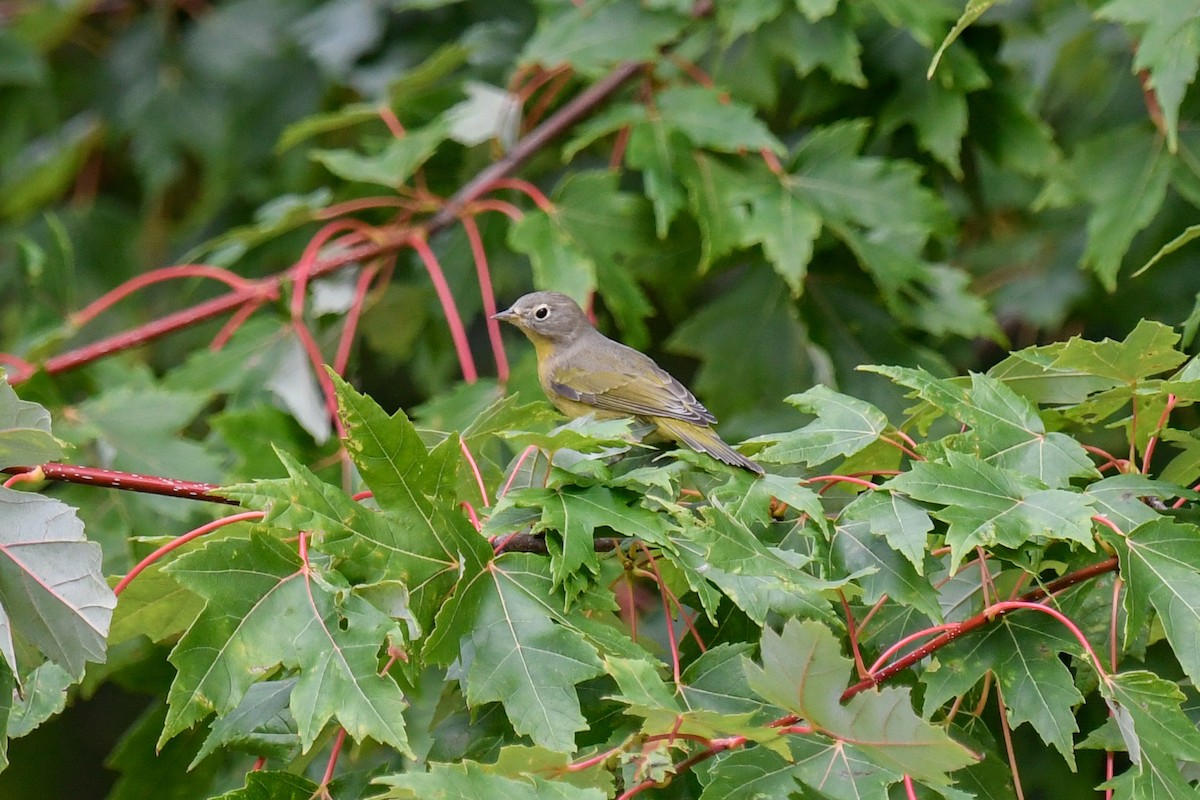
(179, 541)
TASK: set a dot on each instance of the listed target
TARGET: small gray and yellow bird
(582, 371)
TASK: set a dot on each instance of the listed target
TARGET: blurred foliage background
(781, 195)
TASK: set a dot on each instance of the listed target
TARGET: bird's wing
(618, 378)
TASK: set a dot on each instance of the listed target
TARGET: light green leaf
(1005, 428)
(1147, 709)
(972, 12)
(844, 426)
(904, 524)
(600, 35)
(43, 695)
(432, 541)
(804, 672)
(1148, 350)
(52, 593)
(25, 438)
(989, 506)
(269, 785)
(393, 165)
(471, 781)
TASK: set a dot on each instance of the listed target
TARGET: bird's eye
(541, 312)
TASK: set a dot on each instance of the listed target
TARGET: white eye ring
(541, 312)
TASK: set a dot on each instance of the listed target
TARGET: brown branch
(578, 108)
(533, 543)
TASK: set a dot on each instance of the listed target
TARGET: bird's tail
(705, 440)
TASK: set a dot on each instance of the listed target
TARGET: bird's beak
(507, 315)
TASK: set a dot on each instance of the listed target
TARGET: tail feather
(703, 439)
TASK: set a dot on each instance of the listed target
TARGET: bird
(582, 371)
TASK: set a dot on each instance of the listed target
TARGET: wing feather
(618, 378)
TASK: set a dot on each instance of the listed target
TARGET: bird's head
(547, 316)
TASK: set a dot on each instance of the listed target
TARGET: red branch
(976, 622)
(127, 481)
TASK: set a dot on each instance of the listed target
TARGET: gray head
(548, 317)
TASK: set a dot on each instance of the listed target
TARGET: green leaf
(804, 672)
(43, 695)
(713, 192)
(990, 506)
(1033, 374)
(584, 434)
(261, 724)
(7, 690)
(755, 313)
(394, 164)
(1148, 350)
(1005, 428)
(141, 426)
(1147, 710)
(1123, 174)
(600, 35)
(937, 111)
(646, 695)
(611, 229)
(570, 517)
(52, 593)
(1179, 241)
(654, 148)
(972, 12)
(1158, 564)
(843, 427)
(738, 19)
(414, 487)
(25, 438)
(1184, 468)
(266, 608)
(558, 263)
(1168, 47)
(904, 524)
(832, 768)
(1122, 498)
(700, 114)
(153, 605)
(1023, 651)
(856, 549)
(470, 781)
(267, 785)
(45, 167)
(787, 228)
(1156, 778)
(519, 650)
(271, 220)
(808, 42)
(717, 682)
